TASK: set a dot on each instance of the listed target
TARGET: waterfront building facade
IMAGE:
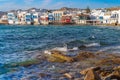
(58, 15)
(82, 19)
(4, 19)
(29, 18)
(44, 19)
(11, 18)
(51, 18)
(66, 19)
(21, 17)
(35, 17)
(62, 16)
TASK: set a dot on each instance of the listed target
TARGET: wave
(112, 49)
(92, 45)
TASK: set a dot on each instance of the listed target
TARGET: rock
(105, 71)
(84, 55)
(113, 56)
(43, 75)
(63, 71)
(61, 78)
(82, 47)
(77, 79)
(41, 57)
(84, 72)
(114, 75)
(91, 74)
(109, 61)
(116, 68)
(67, 75)
(57, 56)
(29, 78)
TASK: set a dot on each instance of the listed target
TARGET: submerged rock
(69, 76)
(109, 61)
(57, 56)
(84, 55)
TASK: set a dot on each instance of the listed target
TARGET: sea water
(20, 43)
(17, 42)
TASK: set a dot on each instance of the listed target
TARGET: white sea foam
(113, 49)
(92, 45)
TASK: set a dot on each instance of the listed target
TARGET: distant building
(82, 19)
(58, 15)
(35, 17)
(4, 19)
(66, 19)
(106, 17)
(44, 19)
(21, 17)
(119, 17)
(51, 18)
(115, 17)
(29, 18)
(11, 18)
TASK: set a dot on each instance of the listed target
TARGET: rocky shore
(84, 65)
(60, 66)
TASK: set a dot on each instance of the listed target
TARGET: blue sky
(54, 4)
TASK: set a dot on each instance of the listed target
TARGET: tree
(88, 9)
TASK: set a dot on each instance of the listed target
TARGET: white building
(44, 19)
(21, 17)
(36, 18)
(4, 19)
(28, 18)
(11, 18)
(58, 15)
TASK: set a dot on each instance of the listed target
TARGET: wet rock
(67, 75)
(43, 75)
(113, 56)
(29, 78)
(63, 71)
(82, 47)
(84, 55)
(77, 75)
(115, 75)
(116, 68)
(57, 56)
(78, 79)
(62, 78)
(41, 57)
(105, 71)
(91, 74)
(109, 61)
(84, 72)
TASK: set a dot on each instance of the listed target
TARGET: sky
(6, 5)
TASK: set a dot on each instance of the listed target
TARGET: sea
(19, 42)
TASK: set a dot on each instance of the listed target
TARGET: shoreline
(99, 25)
(72, 70)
